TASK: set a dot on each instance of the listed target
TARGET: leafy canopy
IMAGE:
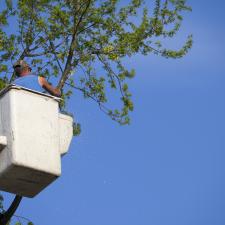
(69, 40)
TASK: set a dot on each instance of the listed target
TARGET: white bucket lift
(33, 137)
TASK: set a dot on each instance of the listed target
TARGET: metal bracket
(3, 142)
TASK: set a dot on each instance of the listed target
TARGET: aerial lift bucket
(33, 137)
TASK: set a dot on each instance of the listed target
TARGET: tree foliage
(69, 40)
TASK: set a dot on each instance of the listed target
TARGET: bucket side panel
(66, 132)
(6, 155)
(36, 132)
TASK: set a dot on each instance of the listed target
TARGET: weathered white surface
(31, 124)
(3, 142)
(66, 132)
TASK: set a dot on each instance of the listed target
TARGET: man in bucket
(28, 80)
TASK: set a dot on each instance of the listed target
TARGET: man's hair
(20, 66)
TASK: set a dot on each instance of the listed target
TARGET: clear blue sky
(167, 167)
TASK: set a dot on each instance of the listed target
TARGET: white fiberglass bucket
(33, 136)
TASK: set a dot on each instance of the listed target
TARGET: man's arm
(48, 87)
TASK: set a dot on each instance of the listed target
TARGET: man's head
(21, 68)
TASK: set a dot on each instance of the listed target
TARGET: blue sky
(167, 167)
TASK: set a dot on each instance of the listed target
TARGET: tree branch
(67, 69)
(102, 107)
(5, 217)
(111, 72)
